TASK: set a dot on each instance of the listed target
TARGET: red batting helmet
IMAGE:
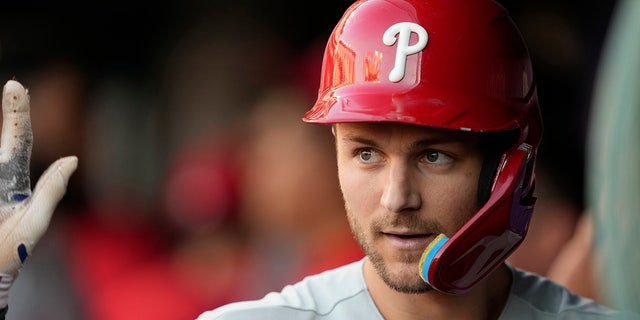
(452, 64)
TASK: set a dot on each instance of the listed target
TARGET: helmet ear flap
(454, 265)
(496, 144)
(487, 176)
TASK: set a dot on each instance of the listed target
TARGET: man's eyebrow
(359, 139)
(423, 143)
(418, 144)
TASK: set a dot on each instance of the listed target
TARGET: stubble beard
(403, 281)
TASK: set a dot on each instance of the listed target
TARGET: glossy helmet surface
(452, 64)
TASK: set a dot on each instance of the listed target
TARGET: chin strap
(429, 254)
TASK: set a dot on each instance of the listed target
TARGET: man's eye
(367, 155)
(432, 156)
(436, 157)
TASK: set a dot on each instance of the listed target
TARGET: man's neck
(485, 301)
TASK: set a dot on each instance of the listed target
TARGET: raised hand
(24, 215)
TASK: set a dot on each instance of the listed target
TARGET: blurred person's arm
(574, 266)
(24, 214)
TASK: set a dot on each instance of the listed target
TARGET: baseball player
(436, 121)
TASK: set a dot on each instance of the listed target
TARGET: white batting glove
(24, 216)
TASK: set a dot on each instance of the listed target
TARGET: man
(436, 122)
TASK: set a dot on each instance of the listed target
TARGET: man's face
(403, 185)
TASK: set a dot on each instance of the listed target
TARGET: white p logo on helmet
(403, 31)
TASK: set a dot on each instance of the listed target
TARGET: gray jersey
(343, 294)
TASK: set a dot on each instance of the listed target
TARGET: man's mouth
(407, 240)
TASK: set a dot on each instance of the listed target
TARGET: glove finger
(30, 219)
(15, 147)
(48, 192)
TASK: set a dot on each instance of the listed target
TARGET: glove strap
(6, 280)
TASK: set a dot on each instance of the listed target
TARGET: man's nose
(401, 191)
